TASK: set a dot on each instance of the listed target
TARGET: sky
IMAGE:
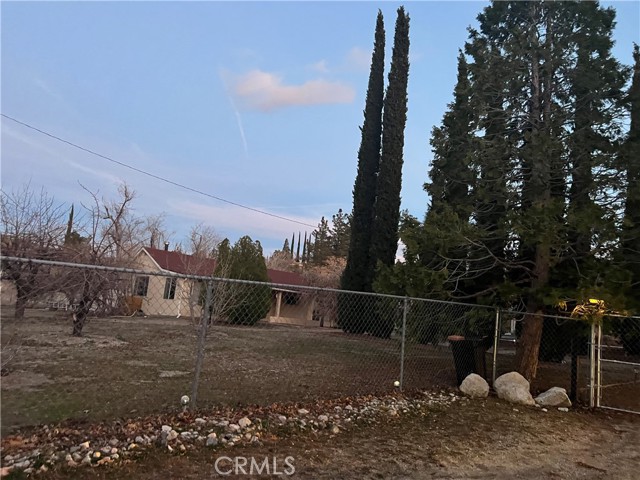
(258, 103)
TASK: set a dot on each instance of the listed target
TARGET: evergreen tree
(631, 164)
(285, 248)
(248, 303)
(384, 239)
(358, 273)
(293, 243)
(298, 249)
(322, 247)
(340, 234)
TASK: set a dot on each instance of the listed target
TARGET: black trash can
(468, 356)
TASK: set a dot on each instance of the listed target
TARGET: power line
(157, 177)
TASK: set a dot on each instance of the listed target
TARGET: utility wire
(157, 177)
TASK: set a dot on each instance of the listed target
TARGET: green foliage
(384, 239)
(358, 273)
(247, 303)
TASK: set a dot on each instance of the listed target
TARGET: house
(181, 297)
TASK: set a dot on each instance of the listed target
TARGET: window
(170, 288)
(141, 286)
(290, 298)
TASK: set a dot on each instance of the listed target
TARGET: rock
(513, 388)
(303, 411)
(223, 423)
(114, 442)
(113, 451)
(86, 460)
(115, 456)
(323, 418)
(282, 419)
(244, 422)
(186, 435)
(139, 439)
(106, 450)
(212, 440)
(475, 386)
(29, 470)
(563, 409)
(183, 448)
(233, 428)
(335, 430)
(545, 410)
(172, 435)
(71, 450)
(97, 454)
(85, 445)
(200, 421)
(166, 428)
(554, 397)
(68, 458)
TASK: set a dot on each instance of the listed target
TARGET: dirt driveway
(477, 439)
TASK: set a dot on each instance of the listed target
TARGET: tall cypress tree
(358, 272)
(384, 241)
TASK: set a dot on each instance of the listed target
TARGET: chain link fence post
(592, 366)
(496, 341)
(402, 342)
(202, 336)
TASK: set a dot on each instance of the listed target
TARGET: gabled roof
(182, 263)
(178, 262)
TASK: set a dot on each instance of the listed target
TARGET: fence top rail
(167, 273)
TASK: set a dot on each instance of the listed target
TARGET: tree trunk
(529, 346)
(21, 305)
(80, 318)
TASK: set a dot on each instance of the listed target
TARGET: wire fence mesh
(563, 357)
(87, 342)
(619, 363)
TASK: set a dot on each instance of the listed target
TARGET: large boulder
(475, 386)
(554, 397)
(513, 388)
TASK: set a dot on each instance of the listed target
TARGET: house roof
(182, 263)
(178, 262)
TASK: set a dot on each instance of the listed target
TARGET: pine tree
(322, 247)
(293, 243)
(358, 271)
(631, 164)
(384, 241)
(340, 234)
(285, 248)
(298, 249)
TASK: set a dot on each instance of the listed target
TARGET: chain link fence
(618, 363)
(88, 342)
(563, 358)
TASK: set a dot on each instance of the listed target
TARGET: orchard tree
(32, 227)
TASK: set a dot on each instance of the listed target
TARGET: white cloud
(254, 224)
(359, 59)
(321, 67)
(266, 92)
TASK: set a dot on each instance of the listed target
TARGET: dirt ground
(136, 366)
(478, 439)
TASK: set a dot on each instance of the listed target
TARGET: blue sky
(258, 103)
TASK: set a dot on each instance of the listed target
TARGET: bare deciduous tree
(32, 227)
